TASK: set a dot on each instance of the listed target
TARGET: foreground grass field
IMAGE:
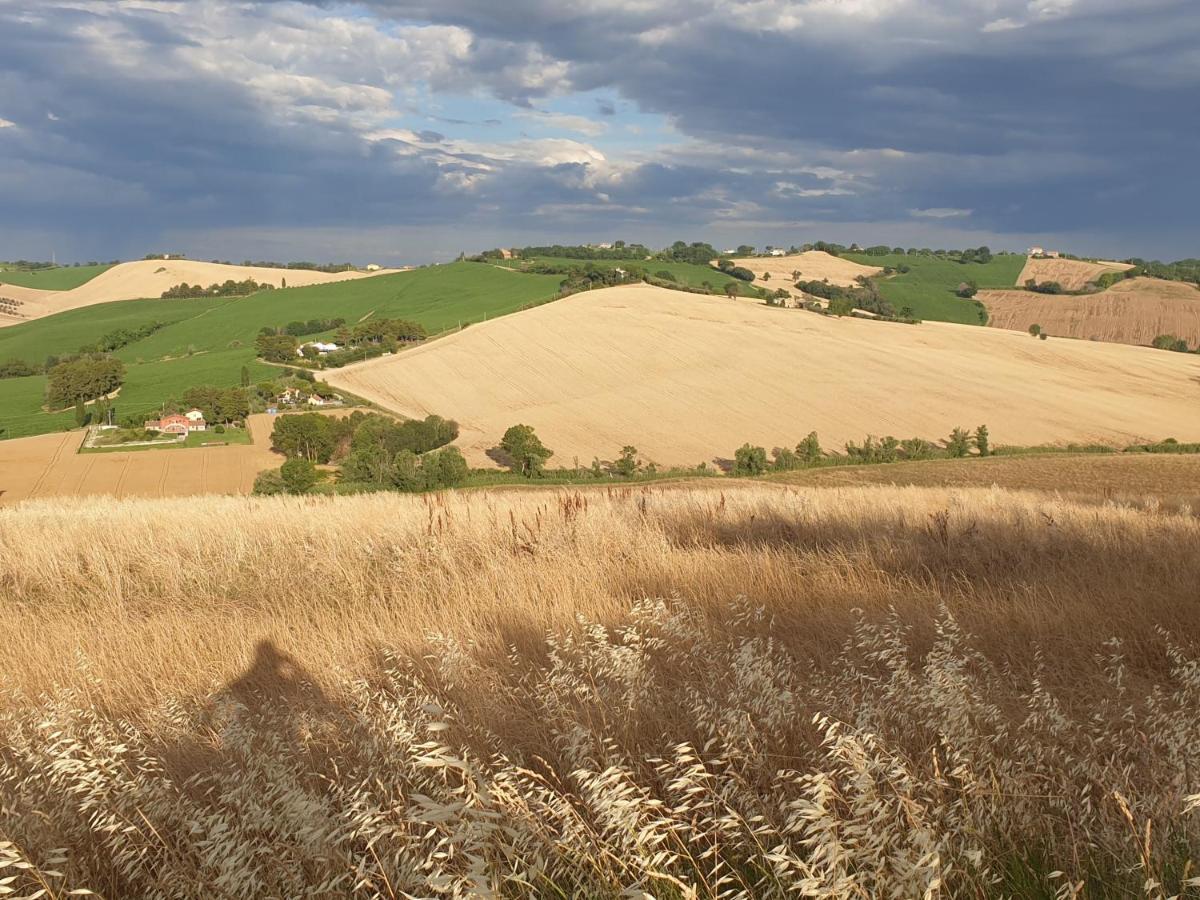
(209, 340)
(928, 288)
(756, 692)
(65, 278)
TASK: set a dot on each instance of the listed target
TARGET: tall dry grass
(688, 692)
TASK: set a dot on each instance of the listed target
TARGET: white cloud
(1005, 24)
(940, 212)
(580, 124)
(4, 123)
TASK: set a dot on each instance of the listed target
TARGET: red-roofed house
(178, 424)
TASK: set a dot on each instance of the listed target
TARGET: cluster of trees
(332, 268)
(376, 331)
(739, 272)
(373, 450)
(303, 329)
(82, 380)
(18, 368)
(1044, 287)
(1170, 342)
(371, 338)
(844, 300)
(619, 250)
(229, 288)
(698, 253)
(219, 405)
(32, 266)
(121, 337)
(752, 460)
(278, 348)
(1180, 270)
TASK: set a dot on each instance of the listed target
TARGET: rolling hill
(1072, 274)
(208, 340)
(813, 265)
(148, 278)
(1133, 311)
(686, 378)
(928, 287)
(62, 278)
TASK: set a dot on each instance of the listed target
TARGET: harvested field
(1072, 274)
(50, 466)
(1133, 477)
(1134, 311)
(149, 278)
(813, 265)
(687, 378)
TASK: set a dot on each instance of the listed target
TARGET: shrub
(298, 475)
(749, 460)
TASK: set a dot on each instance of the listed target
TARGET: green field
(195, 439)
(687, 274)
(930, 285)
(61, 279)
(209, 340)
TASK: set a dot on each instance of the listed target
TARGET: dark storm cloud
(1063, 117)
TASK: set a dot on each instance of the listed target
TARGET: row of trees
(113, 340)
(303, 329)
(752, 460)
(229, 288)
(618, 250)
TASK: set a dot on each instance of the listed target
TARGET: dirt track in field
(688, 378)
(1133, 311)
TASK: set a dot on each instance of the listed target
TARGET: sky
(406, 131)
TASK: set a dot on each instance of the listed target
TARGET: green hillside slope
(209, 340)
(929, 285)
(61, 279)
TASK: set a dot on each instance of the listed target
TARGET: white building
(372, 267)
(322, 347)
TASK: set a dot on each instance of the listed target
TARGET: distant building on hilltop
(176, 423)
(1043, 253)
(372, 267)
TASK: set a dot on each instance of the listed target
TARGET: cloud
(1044, 116)
(4, 123)
(940, 212)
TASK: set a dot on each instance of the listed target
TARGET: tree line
(229, 288)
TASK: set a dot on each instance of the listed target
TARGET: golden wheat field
(149, 278)
(50, 465)
(1134, 311)
(812, 265)
(681, 692)
(687, 378)
(1072, 274)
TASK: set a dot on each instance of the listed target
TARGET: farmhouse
(322, 347)
(178, 423)
(372, 267)
(1043, 253)
(318, 400)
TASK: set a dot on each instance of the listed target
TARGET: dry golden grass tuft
(682, 692)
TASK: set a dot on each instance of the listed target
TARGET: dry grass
(813, 265)
(1072, 274)
(1134, 311)
(849, 693)
(1137, 479)
(688, 378)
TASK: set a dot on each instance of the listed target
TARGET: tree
(959, 443)
(981, 441)
(967, 289)
(245, 376)
(745, 250)
(809, 449)
(80, 413)
(299, 475)
(449, 467)
(627, 465)
(841, 306)
(83, 379)
(276, 347)
(525, 449)
(1169, 342)
(731, 289)
(749, 460)
(1035, 329)
(308, 436)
